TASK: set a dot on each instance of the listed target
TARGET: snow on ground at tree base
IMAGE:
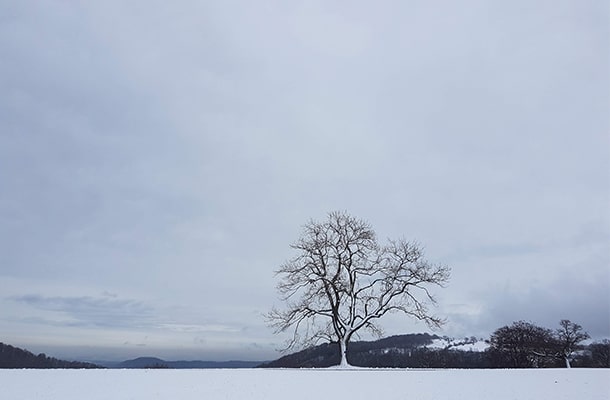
(295, 384)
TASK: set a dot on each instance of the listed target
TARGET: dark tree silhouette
(342, 281)
(569, 335)
(521, 345)
(600, 353)
(14, 357)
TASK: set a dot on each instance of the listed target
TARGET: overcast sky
(158, 158)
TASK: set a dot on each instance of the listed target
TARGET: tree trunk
(343, 343)
(567, 362)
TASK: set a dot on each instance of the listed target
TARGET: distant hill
(402, 351)
(153, 362)
(14, 357)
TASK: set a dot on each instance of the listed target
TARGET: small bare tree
(569, 335)
(521, 345)
(600, 354)
(342, 281)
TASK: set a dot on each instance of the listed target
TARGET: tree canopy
(342, 281)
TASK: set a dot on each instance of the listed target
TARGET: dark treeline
(14, 357)
(414, 351)
(526, 345)
(401, 351)
(519, 345)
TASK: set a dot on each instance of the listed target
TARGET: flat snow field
(290, 384)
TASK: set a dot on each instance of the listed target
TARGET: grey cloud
(584, 301)
(152, 146)
(590, 237)
(103, 312)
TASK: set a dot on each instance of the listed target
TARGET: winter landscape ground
(253, 384)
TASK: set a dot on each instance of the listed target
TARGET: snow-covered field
(252, 384)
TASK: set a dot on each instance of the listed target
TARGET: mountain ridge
(155, 362)
(415, 350)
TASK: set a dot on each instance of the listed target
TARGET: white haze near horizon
(158, 158)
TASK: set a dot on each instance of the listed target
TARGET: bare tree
(600, 353)
(569, 335)
(342, 281)
(521, 345)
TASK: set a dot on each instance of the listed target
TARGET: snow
(294, 384)
(459, 344)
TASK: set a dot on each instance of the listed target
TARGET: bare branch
(345, 281)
